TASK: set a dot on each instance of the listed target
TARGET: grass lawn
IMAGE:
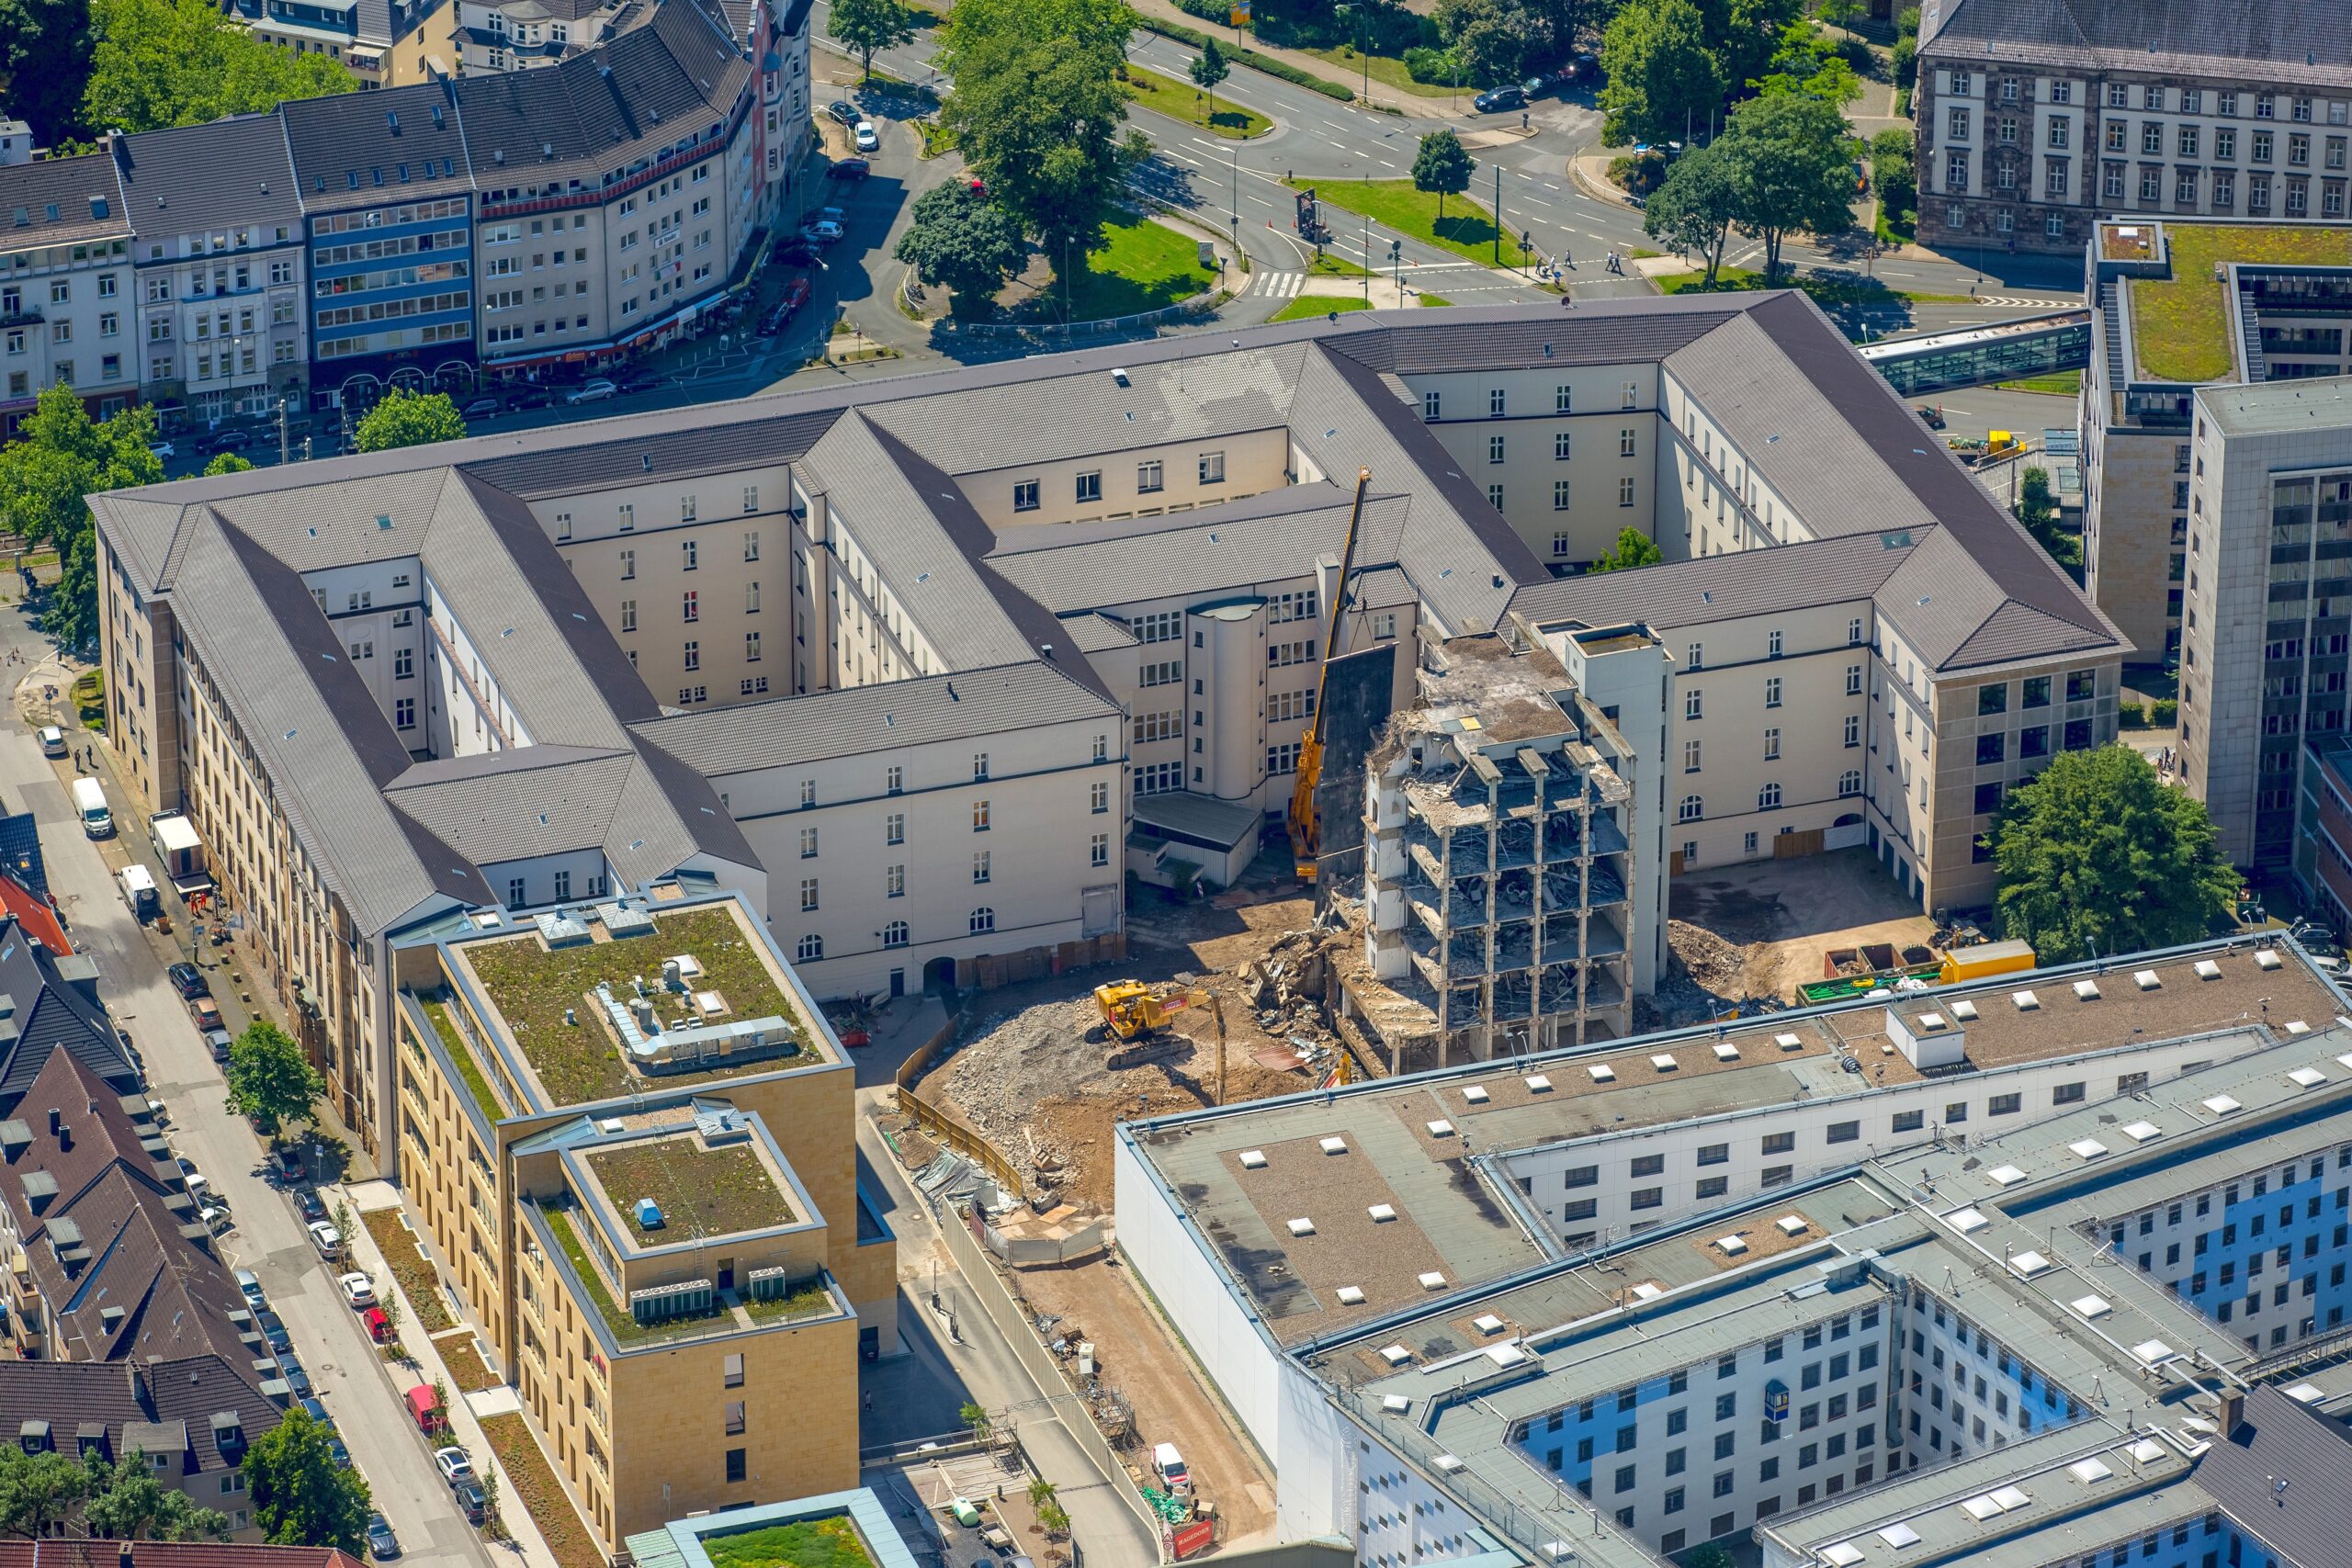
(1825, 291)
(701, 1192)
(411, 1269)
(804, 1543)
(937, 138)
(460, 1053)
(1329, 265)
(1389, 71)
(2182, 323)
(532, 1487)
(580, 1062)
(2061, 383)
(1433, 301)
(1141, 266)
(467, 1368)
(1183, 101)
(1310, 307)
(1467, 230)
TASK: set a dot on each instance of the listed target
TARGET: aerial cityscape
(1323, 784)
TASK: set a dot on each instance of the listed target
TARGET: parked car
(381, 1542)
(481, 408)
(317, 1412)
(249, 1286)
(868, 139)
(850, 169)
(296, 1376)
(272, 1329)
(163, 449)
(327, 1239)
(53, 741)
(309, 1205)
(206, 1013)
(594, 391)
(532, 397)
(641, 383)
(286, 1161)
(1496, 99)
(424, 1409)
(845, 111)
(823, 231)
(472, 1503)
(1534, 84)
(795, 253)
(188, 981)
(219, 1041)
(229, 441)
(454, 1464)
(215, 1218)
(358, 1289)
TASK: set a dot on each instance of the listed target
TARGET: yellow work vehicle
(1129, 1008)
(1305, 826)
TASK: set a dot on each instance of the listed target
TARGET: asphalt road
(268, 1237)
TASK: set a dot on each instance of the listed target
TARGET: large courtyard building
(2038, 1272)
(2037, 118)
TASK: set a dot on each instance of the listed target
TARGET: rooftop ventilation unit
(647, 1213)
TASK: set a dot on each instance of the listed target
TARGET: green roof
(732, 1316)
(2180, 325)
(531, 986)
(829, 1542)
(701, 1191)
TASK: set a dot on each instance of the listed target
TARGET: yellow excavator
(1306, 825)
(1129, 1008)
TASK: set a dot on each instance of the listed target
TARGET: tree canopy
(1037, 111)
(300, 1497)
(1695, 208)
(1791, 164)
(269, 1078)
(157, 63)
(227, 463)
(2037, 509)
(1634, 549)
(2095, 856)
(1496, 41)
(863, 27)
(402, 418)
(61, 457)
(1663, 79)
(1209, 68)
(127, 1501)
(45, 57)
(1440, 163)
(960, 239)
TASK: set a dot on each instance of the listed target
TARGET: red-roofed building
(33, 913)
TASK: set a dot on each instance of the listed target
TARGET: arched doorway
(939, 977)
(456, 377)
(408, 378)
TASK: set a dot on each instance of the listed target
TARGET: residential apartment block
(436, 235)
(626, 1127)
(2023, 1274)
(2034, 120)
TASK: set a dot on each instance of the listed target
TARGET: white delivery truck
(139, 892)
(90, 801)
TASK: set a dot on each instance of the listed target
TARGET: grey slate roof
(372, 137)
(859, 720)
(200, 179)
(1720, 588)
(61, 202)
(2248, 40)
(51, 1015)
(2305, 1521)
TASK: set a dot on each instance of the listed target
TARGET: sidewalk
(1383, 97)
(424, 1365)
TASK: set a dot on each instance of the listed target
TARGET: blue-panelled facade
(2263, 1254)
(392, 296)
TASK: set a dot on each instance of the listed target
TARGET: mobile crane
(1305, 826)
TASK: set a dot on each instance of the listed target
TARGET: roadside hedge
(1249, 57)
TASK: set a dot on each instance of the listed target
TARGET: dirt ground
(1782, 916)
(1096, 1300)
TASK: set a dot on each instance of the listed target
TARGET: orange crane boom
(1306, 825)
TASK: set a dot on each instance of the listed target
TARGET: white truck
(139, 892)
(90, 801)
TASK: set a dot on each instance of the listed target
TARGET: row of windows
(1629, 396)
(1151, 476)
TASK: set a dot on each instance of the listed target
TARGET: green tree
(1209, 68)
(45, 58)
(1041, 1492)
(1634, 549)
(1840, 13)
(1708, 1556)
(1495, 39)
(2094, 856)
(491, 1525)
(1663, 85)
(975, 1417)
(1892, 172)
(962, 241)
(129, 1502)
(1037, 111)
(226, 463)
(156, 64)
(1743, 35)
(863, 27)
(2037, 511)
(1442, 164)
(1805, 61)
(1790, 165)
(1695, 208)
(300, 1497)
(38, 1491)
(402, 418)
(60, 458)
(1054, 1518)
(269, 1078)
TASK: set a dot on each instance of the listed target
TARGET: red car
(796, 294)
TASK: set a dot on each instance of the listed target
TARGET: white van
(1169, 1466)
(139, 892)
(90, 801)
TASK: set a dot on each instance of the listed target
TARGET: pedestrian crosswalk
(1280, 284)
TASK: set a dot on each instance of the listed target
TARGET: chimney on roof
(138, 1384)
(56, 1121)
(2232, 1412)
(124, 1560)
